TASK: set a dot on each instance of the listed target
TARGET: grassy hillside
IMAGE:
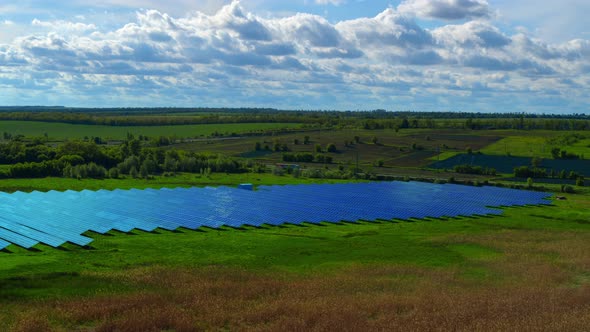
(462, 273)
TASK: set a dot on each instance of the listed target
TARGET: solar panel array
(54, 218)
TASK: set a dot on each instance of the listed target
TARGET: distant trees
(468, 169)
(557, 153)
(530, 172)
(306, 158)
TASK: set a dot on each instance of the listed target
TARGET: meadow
(59, 131)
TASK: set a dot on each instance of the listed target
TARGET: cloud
(61, 25)
(447, 9)
(330, 2)
(233, 57)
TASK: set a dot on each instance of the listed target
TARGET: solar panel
(56, 217)
(4, 244)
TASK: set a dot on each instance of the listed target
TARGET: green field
(60, 131)
(538, 145)
(179, 180)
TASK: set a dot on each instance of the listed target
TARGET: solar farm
(54, 218)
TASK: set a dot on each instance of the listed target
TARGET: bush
(331, 147)
(114, 173)
(528, 172)
(277, 170)
(580, 181)
(298, 157)
(567, 189)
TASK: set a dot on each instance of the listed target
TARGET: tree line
(87, 159)
(371, 120)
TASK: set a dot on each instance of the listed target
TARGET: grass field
(60, 131)
(528, 269)
(179, 180)
(534, 146)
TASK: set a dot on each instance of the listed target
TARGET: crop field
(411, 148)
(60, 131)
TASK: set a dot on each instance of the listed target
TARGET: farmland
(527, 269)
(61, 131)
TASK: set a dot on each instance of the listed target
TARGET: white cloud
(61, 25)
(447, 9)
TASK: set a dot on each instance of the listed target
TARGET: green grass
(444, 155)
(533, 146)
(525, 146)
(60, 131)
(179, 180)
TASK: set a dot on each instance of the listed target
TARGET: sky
(409, 55)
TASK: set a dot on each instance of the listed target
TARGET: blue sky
(420, 55)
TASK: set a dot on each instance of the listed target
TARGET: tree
(114, 173)
(143, 171)
(295, 141)
(318, 148)
(133, 172)
(331, 147)
(306, 140)
(357, 139)
(374, 140)
(529, 182)
(580, 181)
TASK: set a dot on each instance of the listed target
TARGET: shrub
(468, 169)
(331, 147)
(567, 189)
(114, 173)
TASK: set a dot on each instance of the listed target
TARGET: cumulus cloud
(447, 9)
(237, 58)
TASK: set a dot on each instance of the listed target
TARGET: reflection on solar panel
(54, 218)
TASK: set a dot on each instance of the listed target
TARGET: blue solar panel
(3, 244)
(54, 217)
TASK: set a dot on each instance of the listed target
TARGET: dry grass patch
(358, 298)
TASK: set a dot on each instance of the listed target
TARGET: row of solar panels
(54, 218)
